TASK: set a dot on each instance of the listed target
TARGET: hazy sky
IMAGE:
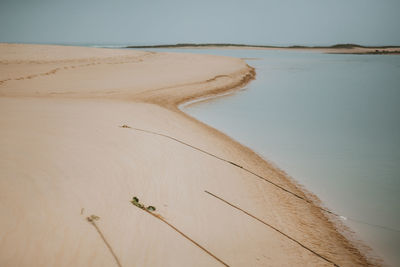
(279, 22)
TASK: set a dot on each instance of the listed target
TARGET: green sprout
(135, 201)
(151, 208)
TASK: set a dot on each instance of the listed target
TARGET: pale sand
(62, 153)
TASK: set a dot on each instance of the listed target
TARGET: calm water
(332, 122)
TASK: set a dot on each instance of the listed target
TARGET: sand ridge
(64, 156)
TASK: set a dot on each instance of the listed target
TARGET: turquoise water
(332, 122)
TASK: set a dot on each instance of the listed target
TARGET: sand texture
(64, 156)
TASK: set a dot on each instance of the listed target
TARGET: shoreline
(162, 101)
(337, 220)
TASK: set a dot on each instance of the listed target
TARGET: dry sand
(64, 157)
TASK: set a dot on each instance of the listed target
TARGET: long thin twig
(184, 235)
(229, 162)
(92, 220)
(274, 228)
(303, 198)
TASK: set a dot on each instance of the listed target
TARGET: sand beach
(84, 130)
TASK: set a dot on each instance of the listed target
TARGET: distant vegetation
(180, 45)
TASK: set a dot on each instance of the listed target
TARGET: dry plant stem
(234, 164)
(279, 231)
(188, 238)
(92, 221)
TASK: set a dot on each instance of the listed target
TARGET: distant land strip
(368, 49)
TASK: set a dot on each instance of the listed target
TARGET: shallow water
(332, 122)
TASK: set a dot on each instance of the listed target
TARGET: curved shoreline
(335, 219)
(69, 118)
(340, 227)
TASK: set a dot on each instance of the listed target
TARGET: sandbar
(84, 130)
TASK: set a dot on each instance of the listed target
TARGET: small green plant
(151, 208)
(135, 201)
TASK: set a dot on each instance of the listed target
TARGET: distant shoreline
(334, 49)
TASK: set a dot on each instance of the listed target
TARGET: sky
(146, 22)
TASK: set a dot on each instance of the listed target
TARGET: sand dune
(64, 157)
